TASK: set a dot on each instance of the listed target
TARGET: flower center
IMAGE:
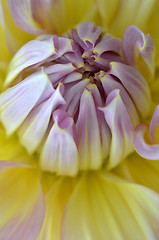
(76, 99)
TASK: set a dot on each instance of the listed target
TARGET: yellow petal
(125, 13)
(142, 171)
(21, 202)
(103, 208)
(56, 200)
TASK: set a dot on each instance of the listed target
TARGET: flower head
(74, 104)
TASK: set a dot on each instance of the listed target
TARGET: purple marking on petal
(145, 150)
(57, 155)
(135, 41)
(135, 84)
(21, 12)
(120, 124)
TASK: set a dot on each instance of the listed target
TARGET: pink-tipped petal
(33, 52)
(90, 152)
(18, 101)
(120, 124)
(21, 11)
(135, 42)
(143, 149)
(135, 84)
(60, 151)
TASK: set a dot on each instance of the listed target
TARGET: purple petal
(60, 153)
(110, 84)
(135, 41)
(135, 84)
(120, 124)
(154, 123)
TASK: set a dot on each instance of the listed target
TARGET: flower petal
(143, 149)
(105, 208)
(35, 125)
(120, 124)
(57, 155)
(18, 101)
(21, 12)
(56, 200)
(135, 84)
(90, 150)
(33, 52)
(135, 42)
(21, 202)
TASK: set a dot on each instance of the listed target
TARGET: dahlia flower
(79, 113)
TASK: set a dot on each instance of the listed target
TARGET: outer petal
(21, 202)
(134, 165)
(18, 101)
(33, 52)
(35, 125)
(21, 12)
(15, 37)
(56, 200)
(59, 153)
(105, 208)
(121, 127)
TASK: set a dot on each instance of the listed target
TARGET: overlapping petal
(21, 202)
(107, 208)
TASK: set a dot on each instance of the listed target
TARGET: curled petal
(90, 151)
(35, 125)
(18, 101)
(33, 52)
(21, 11)
(88, 34)
(60, 153)
(108, 43)
(143, 149)
(135, 84)
(22, 205)
(134, 42)
(120, 124)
